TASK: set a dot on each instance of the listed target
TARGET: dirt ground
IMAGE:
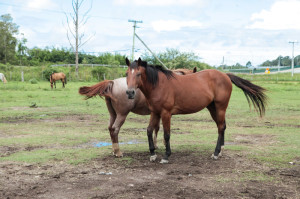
(188, 175)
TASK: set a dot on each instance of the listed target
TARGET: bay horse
(58, 76)
(119, 106)
(169, 94)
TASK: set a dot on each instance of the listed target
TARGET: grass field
(64, 128)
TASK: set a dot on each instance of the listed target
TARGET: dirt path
(189, 175)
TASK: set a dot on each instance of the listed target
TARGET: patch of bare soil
(188, 175)
(53, 118)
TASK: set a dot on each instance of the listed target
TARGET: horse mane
(152, 72)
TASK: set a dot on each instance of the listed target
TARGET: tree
(74, 26)
(248, 64)
(173, 59)
(8, 41)
(21, 49)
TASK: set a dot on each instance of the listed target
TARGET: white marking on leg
(163, 161)
(222, 151)
(116, 149)
(153, 158)
(132, 71)
(214, 157)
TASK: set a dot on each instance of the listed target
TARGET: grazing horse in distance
(119, 105)
(58, 76)
(3, 79)
(169, 94)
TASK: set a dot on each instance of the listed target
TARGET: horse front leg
(114, 133)
(154, 122)
(166, 120)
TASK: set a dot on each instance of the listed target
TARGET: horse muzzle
(130, 93)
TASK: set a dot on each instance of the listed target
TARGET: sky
(218, 31)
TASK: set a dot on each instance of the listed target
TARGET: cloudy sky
(237, 30)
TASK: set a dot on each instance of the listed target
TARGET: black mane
(152, 72)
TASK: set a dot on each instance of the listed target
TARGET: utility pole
(164, 66)
(293, 44)
(134, 26)
(223, 63)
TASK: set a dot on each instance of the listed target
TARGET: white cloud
(158, 2)
(41, 4)
(282, 15)
(172, 25)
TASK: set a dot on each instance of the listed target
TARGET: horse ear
(195, 70)
(127, 62)
(139, 62)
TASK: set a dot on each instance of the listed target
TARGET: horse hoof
(163, 161)
(118, 155)
(214, 157)
(153, 158)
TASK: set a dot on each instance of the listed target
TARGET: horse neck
(146, 87)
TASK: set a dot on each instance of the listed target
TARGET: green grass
(64, 126)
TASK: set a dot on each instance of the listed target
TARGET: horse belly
(192, 102)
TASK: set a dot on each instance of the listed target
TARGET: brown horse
(119, 105)
(169, 94)
(58, 76)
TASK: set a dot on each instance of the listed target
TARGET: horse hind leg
(156, 129)
(218, 115)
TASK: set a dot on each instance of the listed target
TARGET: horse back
(191, 93)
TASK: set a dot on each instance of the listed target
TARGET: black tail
(252, 92)
(65, 79)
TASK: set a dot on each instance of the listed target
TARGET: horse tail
(65, 79)
(103, 89)
(252, 92)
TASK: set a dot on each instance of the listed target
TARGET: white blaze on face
(132, 71)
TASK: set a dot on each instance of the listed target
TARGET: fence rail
(91, 65)
(261, 69)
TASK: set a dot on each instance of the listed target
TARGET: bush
(3, 67)
(33, 81)
(47, 72)
(98, 72)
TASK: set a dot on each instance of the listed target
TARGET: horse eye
(139, 74)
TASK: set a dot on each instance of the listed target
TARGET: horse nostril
(130, 93)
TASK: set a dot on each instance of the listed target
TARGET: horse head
(133, 77)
